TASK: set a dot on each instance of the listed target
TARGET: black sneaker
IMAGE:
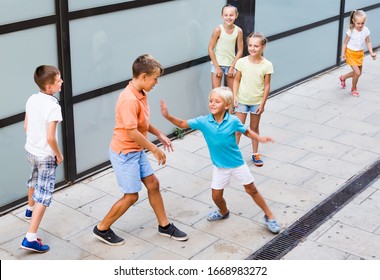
(173, 232)
(108, 237)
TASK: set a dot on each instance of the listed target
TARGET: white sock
(31, 208)
(31, 236)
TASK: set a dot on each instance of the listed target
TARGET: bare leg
(254, 126)
(117, 210)
(216, 81)
(38, 213)
(155, 199)
(220, 202)
(242, 117)
(357, 71)
(258, 199)
(31, 202)
(230, 83)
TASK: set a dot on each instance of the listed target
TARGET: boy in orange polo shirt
(127, 155)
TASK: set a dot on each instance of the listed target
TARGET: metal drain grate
(295, 233)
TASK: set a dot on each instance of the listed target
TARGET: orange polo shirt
(132, 111)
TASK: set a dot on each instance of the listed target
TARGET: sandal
(216, 216)
(354, 92)
(342, 82)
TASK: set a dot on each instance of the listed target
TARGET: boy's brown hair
(146, 64)
(45, 75)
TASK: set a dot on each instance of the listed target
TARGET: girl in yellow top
(251, 87)
(222, 47)
(353, 49)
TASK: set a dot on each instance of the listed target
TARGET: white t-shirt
(41, 109)
(357, 39)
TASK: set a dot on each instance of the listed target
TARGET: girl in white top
(222, 47)
(353, 49)
(251, 87)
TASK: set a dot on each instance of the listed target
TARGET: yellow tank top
(225, 46)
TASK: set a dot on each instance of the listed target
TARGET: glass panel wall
(320, 54)
(21, 52)
(86, 4)
(276, 16)
(15, 167)
(104, 47)
(18, 10)
(351, 5)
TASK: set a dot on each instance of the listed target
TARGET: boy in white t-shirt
(42, 114)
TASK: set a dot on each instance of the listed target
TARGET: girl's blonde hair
(225, 93)
(258, 35)
(356, 14)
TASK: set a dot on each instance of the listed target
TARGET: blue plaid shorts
(42, 178)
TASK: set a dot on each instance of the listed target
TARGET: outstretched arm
(253, 135)
(369, 46)
(176, 121)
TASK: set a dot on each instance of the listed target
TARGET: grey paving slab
(180, 208)
(290, 194)
(287, 172)
(158, 253)
(198, 239)
(313, 129)
(78, 195)
(323, 183)
(353, 215)
(352, 240)
(303, 101)
(239, 230)
(310, 250)
(12, 226)
(351, 125)
(321, 146)
(330, 166)
(60, 249)
(364, 142)
(223, 250)
(132, 248)
(359, 156)
(181, 182)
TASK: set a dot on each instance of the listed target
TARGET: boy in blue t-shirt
(219, 130)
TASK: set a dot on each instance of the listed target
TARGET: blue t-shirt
(221, 139)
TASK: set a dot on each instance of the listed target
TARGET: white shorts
(221, 176)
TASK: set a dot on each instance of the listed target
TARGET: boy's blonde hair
(45, 75)
(146, 64)
(225, 93)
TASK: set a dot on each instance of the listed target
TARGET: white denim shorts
(221, 176)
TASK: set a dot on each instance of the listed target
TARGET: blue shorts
(242, 108)
(42, 177)
(224, 69)
(129, 169)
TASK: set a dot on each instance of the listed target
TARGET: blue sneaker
(216, 216)
(28, 214)
(35, 246)
(256, 160)
(272, 225)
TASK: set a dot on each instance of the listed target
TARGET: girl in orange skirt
(353, 49)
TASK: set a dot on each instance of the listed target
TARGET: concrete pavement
(324, 136)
